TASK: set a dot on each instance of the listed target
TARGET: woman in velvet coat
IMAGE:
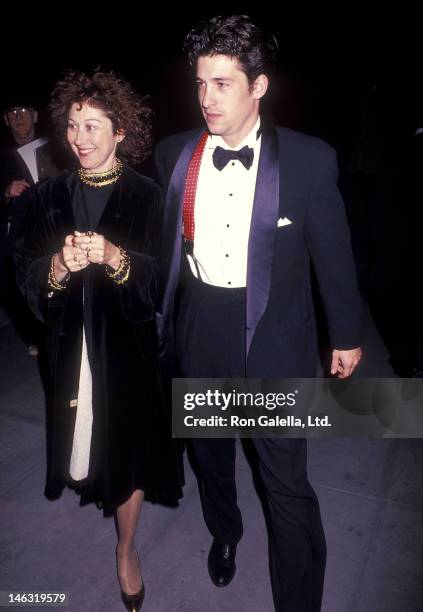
(87, 265)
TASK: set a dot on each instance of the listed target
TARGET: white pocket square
(283, 222)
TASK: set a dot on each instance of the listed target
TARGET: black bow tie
(222, 156)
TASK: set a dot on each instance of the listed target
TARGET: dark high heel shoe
(134, 602)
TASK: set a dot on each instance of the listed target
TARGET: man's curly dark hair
(235, 36)
(128, 111)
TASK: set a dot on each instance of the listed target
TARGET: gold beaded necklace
(101, 179)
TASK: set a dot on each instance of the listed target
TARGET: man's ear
(6, 120)
(260, 86)
(34, 116)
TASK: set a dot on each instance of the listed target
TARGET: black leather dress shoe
(221, 563)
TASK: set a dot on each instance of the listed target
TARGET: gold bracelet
(123, 265)
(124, 276)
(53, 283)
(111, 273)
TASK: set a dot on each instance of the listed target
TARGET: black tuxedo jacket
(298, 216)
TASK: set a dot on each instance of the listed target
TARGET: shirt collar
(251, 140)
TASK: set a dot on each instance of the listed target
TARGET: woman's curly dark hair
(128, 111)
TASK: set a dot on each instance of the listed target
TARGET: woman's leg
(127, 558)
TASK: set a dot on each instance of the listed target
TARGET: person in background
(24, 160)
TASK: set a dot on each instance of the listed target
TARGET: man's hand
(16, 188)
(345, 362)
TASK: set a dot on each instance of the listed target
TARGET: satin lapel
(262, 232)
(172, 225)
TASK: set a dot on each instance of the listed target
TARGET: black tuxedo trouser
(210, 341)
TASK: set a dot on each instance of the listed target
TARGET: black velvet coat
(131, 444)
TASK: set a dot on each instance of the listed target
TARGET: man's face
(230, 104)
(21, 120)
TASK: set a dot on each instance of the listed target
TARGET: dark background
(334, 63)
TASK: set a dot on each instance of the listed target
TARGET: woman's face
(91, 137)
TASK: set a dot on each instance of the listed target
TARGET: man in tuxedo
(24, 160)
(247, 206)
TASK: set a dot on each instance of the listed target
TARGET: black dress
(131, 445)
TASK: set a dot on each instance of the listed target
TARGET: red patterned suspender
(191, 189)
